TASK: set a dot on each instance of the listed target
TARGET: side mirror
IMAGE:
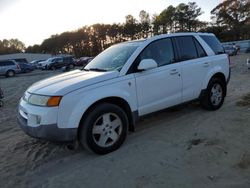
(147, 64)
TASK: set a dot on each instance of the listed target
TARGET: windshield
(112, 58)
(52, 59)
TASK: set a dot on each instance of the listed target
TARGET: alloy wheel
(216, 94)
(107, 129)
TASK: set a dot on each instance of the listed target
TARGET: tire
(103, 129)
(214, 95)
(1, 103)
(71, 66)
(53, 68)
(10, 73)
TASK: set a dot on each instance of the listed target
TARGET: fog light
(38, 119)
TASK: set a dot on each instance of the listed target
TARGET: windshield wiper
(97, 69)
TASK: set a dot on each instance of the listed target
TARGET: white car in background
(43, 64)
(101, 103)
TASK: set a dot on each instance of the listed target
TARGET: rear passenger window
(200, 50)
(186, 46)
(214, 43)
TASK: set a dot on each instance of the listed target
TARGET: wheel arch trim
(90, 99)
(216, 71)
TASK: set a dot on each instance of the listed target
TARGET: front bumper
(41, 122)
(48, 132)
(41, 67)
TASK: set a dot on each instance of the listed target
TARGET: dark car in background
(230, 49)
(57, 62)
(23, 64)
(9, 68)
(83, 61)
(25, 67)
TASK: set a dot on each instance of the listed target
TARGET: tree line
(230, 21)
(11, 46)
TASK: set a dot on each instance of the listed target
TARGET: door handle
(206, 64)
(173, 72)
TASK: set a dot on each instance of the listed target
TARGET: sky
(32, 21)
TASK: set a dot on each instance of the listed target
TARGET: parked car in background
(35, 63)
(83, 61)
(9, 68)
(44, 64)
(26, 67)
(57, 62)
(230, 50)
(21, 60)
(99, 104)
(90, 59)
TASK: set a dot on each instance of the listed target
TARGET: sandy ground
(182, 147)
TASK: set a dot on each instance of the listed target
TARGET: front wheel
(214, 94)
(104, 129)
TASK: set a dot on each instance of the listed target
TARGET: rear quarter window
(214, 44)
(6, 63)
(201, 52)
(57, 59)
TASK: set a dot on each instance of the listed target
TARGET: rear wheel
(10, 73)
(214, 94)
(71, 66)
(53, 68)
(104, 129)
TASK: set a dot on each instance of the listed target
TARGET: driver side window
(161, 51)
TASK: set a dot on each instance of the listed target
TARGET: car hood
(68, 82)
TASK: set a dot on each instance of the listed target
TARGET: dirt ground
(182, 147)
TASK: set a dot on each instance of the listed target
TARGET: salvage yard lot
(184, 146)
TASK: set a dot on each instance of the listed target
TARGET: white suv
(101, 103)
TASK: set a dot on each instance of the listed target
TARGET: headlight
(42, 100)
(26, 96)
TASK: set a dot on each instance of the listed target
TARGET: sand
(185, 146)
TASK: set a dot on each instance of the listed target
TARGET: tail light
(18, 67)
